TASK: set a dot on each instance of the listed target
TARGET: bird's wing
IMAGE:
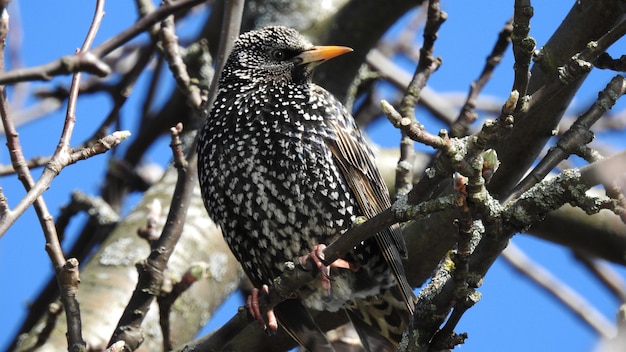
(297, 321)
(355, 161)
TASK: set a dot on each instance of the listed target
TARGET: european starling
(283, 168)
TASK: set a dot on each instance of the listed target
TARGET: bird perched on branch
(284, 170)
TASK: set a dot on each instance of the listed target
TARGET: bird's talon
(268, 322)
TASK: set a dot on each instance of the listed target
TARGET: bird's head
(278, 54)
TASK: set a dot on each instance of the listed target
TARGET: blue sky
(513, 314)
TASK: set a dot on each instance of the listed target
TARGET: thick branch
(587, 21)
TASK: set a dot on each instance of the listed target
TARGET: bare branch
(52, 169)
(468, 114)
(176, 145)
(523, 45)
(411, 128)
(578, 134)
(550, 94)
(32, 163)
(90, 61)
(559, 290)
(151, 269)
(605, 61)
(68, 282)
(431, 100)
(427, 63)
(426, 66)
(173, 57)
(609, 277)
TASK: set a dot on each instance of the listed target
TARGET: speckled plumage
(283, 167)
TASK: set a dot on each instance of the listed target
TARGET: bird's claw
(269, 321)
(317, 256)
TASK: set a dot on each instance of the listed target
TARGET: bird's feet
(317, 256)
(269, 322)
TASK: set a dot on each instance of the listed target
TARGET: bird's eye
(279, 55)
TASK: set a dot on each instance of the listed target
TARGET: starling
(283, 169)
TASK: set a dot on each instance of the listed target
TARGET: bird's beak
(319, 54)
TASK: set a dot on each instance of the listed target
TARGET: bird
(284, 170)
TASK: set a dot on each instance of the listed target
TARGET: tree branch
(577, 135)
(551, 284)
(587, 21)
(90, 61)
(468, 112)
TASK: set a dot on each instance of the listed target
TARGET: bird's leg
(271, 324)
(317, 255)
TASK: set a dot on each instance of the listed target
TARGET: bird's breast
(275, 189)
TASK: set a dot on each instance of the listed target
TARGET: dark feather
(372, 195)
(297, 321)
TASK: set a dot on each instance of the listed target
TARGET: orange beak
(319, 54)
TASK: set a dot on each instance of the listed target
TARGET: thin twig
(523, 45)
(198, 271)
(427, 64)
(613, 188)
(68, 283)
(578, 134)
(171, 52)
(609, 277)
(151, 269)
(176, 146)
(100, 146)
(468, 112)
(437, 105)
(411, 128)
(32, 163)
(576, 67)
(90, 61)
(67, 271)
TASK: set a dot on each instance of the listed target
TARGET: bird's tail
(297, 321)
(380, 320)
